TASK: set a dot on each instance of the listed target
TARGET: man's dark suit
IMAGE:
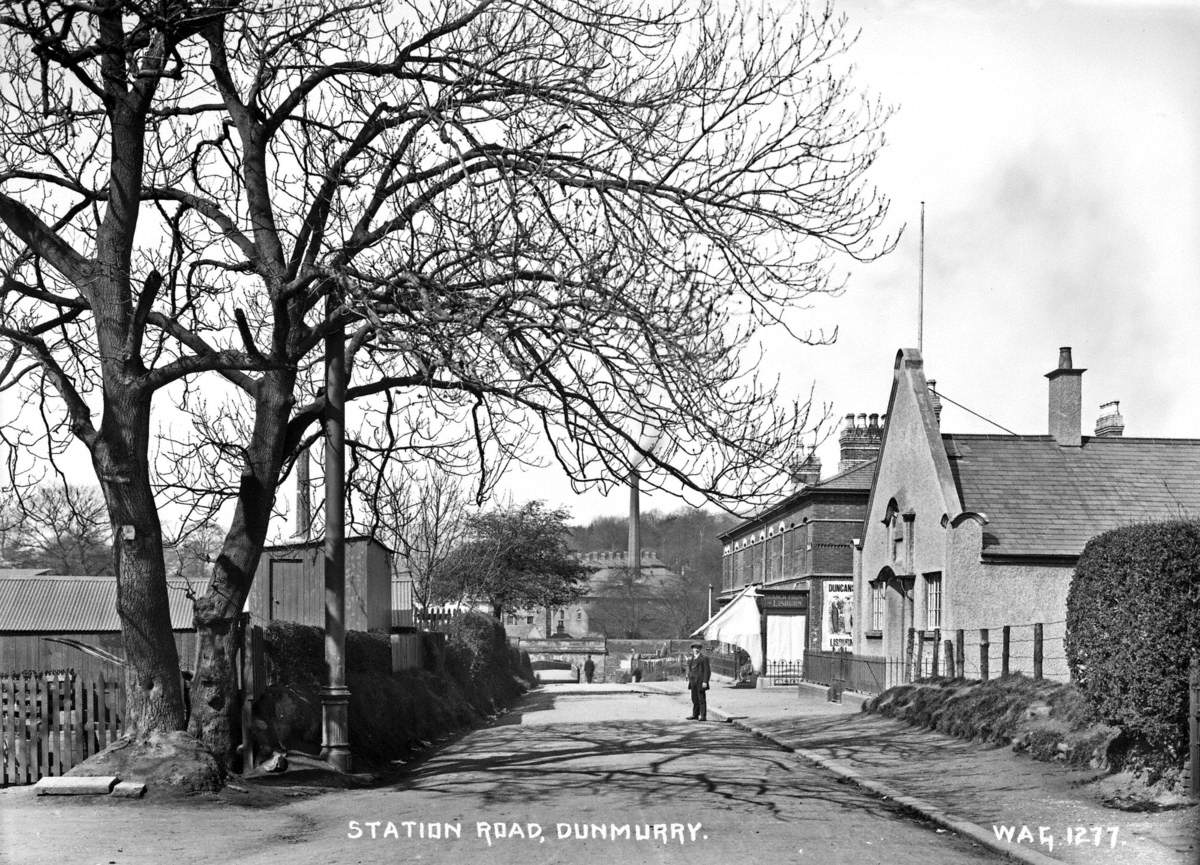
(698, 672)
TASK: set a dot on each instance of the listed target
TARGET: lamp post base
(335, 727)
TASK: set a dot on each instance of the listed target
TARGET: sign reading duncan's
(837, 620)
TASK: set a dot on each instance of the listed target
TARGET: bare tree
(422, 521)
(191, 550)
(558, 219)
(63, 529)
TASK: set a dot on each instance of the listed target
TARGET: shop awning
(738, 624)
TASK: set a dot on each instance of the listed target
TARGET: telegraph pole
(335, 696)
(635, 546)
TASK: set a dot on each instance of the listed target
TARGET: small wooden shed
(289, 584)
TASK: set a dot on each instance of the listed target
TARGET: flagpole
(921, 289)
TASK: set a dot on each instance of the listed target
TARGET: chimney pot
(1064, 357)
(1110, 424)
(860, 440)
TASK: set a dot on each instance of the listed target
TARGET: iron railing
(864, 673)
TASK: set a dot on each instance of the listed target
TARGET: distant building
(978, 532)
(787, 572)
(613, 605)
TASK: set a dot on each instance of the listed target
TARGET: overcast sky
(1055, 146)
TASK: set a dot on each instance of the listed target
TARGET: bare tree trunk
(214, 698)
(154, 691)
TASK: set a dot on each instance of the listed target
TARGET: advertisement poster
(838, 620)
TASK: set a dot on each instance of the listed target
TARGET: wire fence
(1037, 649)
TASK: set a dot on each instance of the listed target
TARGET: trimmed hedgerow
(479, 658)
(391, 714)
(1133, 626)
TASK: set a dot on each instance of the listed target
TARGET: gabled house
(979, 532)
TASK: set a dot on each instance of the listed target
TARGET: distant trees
(63, 529)
(517, 557)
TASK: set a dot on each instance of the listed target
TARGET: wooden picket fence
(53, 720)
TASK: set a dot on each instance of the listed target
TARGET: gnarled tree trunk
(214, 696)
(154, 693)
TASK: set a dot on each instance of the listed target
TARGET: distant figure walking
(698, 673)
(589, 669)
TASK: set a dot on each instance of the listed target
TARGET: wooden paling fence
(406, 652)
(51, 721)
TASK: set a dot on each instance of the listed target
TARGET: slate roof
(1044, 500)
(854, 479)
(70, 604)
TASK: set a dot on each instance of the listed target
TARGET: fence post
(908, 656)
(1037, 651)
(937, 647)
(983, 654)
(1194, 727)
(950, 660)
(1005, 650)
(919, 663)
(960, 653)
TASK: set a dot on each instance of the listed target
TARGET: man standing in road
(589, 669)
(698, 672)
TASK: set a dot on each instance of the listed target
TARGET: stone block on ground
(129, 790)
(94, 785)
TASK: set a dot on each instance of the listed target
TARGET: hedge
(468, 674)
(1133, 626)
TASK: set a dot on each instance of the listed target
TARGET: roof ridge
(844, 472)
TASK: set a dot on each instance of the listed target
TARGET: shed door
(289, 594)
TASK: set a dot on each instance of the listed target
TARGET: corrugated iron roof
(1044, 500)
(67, 604)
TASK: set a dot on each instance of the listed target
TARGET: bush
(1133, 626)
(479, 658)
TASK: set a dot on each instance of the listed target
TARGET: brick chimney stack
(1110, 424)
(860, 440)
(807, 472)
(936, 401)
(1066, 401)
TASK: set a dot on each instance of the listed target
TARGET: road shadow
(642, 764)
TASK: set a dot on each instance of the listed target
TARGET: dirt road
(570, 776)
